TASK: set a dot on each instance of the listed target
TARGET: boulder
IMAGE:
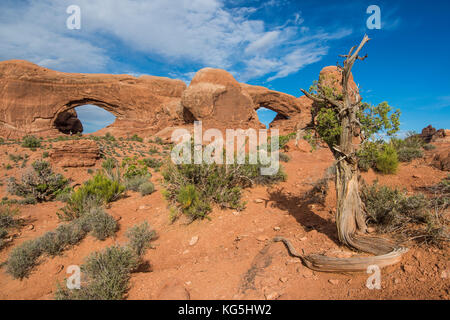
(75, 153)
(441, 160)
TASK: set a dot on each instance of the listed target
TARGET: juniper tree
(344, 122)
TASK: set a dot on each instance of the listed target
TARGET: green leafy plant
(31, 142)
(38, 182)
(387, 160)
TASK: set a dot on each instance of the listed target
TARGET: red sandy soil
(231, 259)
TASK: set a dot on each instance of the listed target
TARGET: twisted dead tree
(344, 122)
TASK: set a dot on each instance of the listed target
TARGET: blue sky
(281, 44)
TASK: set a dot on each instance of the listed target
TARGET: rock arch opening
(86, 118)
(267, 116)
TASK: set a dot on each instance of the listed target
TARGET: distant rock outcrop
(430, 134)
(75, 153)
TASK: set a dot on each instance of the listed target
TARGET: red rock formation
(33, 98)
(39, 101)
(75, 153)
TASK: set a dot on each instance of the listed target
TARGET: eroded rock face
(217, 99)
(75, 153)
(33, 99)
(41, 102)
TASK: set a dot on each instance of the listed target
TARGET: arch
(66, 119)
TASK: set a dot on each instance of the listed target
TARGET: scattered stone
(444, 274)
(303, 239)
(333, 281)
(30, 227)
(277, 228)
(235, 213)
(258, 201)
(272, 296)
(292, 261)
(59, 268)
(144, 207)
(262, 238)
(193, 241)
(397, 280)
(173, 290)
(185, 251)
(283, 279)
(371, 230)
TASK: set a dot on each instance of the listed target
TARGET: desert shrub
(23, 258)
(133, 167)
(134, 183)
(153, 163)
(38, 182)
(136, 138)
(31, 142)
(284, 157)
(409, 148)
(139, 238)
(101, 224)
(391, 208)
(146, 188)
(97, 191)
(429, 147)
(409, 217)
(7, 221)
(368, 154)
(387, 160)
(192, 188)
(107, 273)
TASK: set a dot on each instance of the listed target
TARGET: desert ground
(230, 255)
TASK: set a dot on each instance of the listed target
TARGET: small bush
(7, 221)
(153, 163)
(23, 258)
(136, 138)
(134, 183)
(146, 188)
(107, 273)
(101, 224)
(368, 154)
(139, 238)
(38, 182)
(391, 208)
(409, 148)
(133, 168)
(429, 147)
(31, 142)
(97, 191)
(387, 160)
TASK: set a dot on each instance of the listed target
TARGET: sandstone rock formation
(75, 153)
(430, 134)
(40, 101)
(33, 99)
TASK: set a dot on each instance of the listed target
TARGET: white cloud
(196, 33)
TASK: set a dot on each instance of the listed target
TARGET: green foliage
(379, 119)
(415, 216)
(7, 221)
(133, 167)
(409, 148)
(153, 163)
(146, 188)
(31, 142)
(328, 126)
(97, 191)
(387, 160)
(139, 238)
(192, 188)
(23, 258)
(368, 155)
(135, 183)
(136, 138)
(38, 182)
(101, 224)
